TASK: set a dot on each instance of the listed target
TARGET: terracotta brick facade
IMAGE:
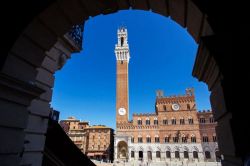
(94, 141)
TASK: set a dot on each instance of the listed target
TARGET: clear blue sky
(162, 57)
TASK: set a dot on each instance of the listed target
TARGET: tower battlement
(122, 48)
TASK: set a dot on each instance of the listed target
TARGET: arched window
(140, 154)
(164, 107)
(147, 121)
(149, 155)
(173, 121)
(188, 106)
(158, 154)
(202, 120)
(211, 120)
(193, 138)
(122, 41)
(168, 154)
(186, 154)
(205, 138)
(132, 140)
(165, 121)
(155, 121)
(217, 155)
(184, 138)
(166, 139)
(157, 139)
(190, 120)
(207, 155)
(139, 121)
(195, 154)
(214, 138)
(182, 121)
(139, 139)
(148, 139)
(132, 154)
(175, 139)
(177, 154)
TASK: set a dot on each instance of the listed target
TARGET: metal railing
(76, 34)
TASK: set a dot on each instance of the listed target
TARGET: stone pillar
(16, 95)
(153, 155)
(172, 156)
(145, 156)
(115, 153)
(136, 155)
(190, 156)
(200, 156)
(208, 70)
(181, 155)
(39, 109)
(163, 156)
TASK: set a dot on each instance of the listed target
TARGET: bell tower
(122, 61)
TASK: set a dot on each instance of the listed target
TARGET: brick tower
(122, 61)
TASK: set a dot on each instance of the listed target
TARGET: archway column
(15, 97)
(207, 70)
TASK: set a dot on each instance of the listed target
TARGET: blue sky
(162, 57)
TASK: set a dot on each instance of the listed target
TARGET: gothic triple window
(157, 139)
(193, 139)
(148, 139)
(140, 139)
(182, 121)
(166, 139)
(155, 121)
(205, 138)
(202, 120)
(165, 121)
(184, 139)
(139, 121)
(147, 121)
(190, 120)
(173, 121)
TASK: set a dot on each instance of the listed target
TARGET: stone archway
(122, 150)
(38, 50)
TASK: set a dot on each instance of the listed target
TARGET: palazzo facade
(176, 131)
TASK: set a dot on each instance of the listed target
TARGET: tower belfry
(122, 61)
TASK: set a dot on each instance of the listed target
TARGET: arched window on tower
(122, 41)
